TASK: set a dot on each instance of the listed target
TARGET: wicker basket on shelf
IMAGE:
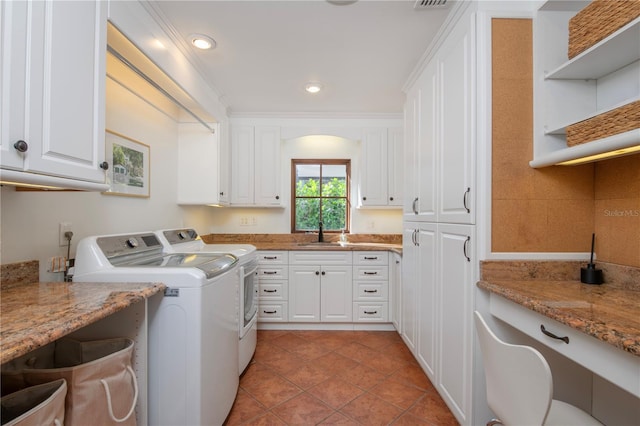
(598, 20)
(610, 123)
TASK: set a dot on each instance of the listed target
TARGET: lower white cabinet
(371, 286)
(436, 322)
(395, 290)
(320, 287)
(273, 286)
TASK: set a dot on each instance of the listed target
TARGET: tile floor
(336, 377)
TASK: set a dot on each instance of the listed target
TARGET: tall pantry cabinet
(439, 216)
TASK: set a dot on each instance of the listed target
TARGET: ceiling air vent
(428, 4)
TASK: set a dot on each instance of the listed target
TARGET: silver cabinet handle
(547, 333)
(464, 200)
(413, 207)
(464, 248)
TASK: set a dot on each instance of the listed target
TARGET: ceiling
(362, 52)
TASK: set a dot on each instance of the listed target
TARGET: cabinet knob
(21, 146)
(277, 197)
(390, 198)
(323, 273)
(364, 198)
(317, 272)
(222, 193)
(104, 165)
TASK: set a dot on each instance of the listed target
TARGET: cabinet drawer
(371, 258)
(273, 257)
(371, 272)
(370, 312)
(320, 258)
(273, 290)
(272, 312)
(621, 368)
(275, 272)
(371, 290)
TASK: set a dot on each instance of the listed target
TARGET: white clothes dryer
(187, 240)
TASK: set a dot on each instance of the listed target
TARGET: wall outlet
(371, 224)
(254, 221)
(244, 221)
(63, 228)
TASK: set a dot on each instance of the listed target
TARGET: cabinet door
(224, 151)
(62, 85)
(408, 316)
(336, 297)
(67, 89)
(410, 163)
(374, 177)
(427, 144)
(455, 280)
(427, 329)
(197, 158)
(456, 67)
(304, 293)
(267, 166)
(395, 161)
(395, 291)
(242, 155)
(13, 66)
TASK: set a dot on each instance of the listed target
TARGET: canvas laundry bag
(102, 386)
(40, 405)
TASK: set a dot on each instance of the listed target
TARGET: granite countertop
(609, 312)
(37, 313)
(357, 242)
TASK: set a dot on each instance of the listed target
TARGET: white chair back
(519, 381)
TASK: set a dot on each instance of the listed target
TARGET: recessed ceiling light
(313, 87)
(202, 41)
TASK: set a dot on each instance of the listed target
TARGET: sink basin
(317, 244)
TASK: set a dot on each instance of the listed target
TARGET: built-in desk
(602, 322)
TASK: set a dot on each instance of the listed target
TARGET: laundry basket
(35, 406)
(102, 386)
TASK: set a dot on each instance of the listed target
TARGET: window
(320, 193)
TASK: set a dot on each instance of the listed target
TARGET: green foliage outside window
(334, 210)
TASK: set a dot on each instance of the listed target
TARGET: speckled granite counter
(357, 242)
(35, 314)
(609, 312)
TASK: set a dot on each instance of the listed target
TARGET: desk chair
(520, 386)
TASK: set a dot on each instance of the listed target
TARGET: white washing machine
(193, 334)
(188, 241)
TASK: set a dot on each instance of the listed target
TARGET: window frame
(321, 162)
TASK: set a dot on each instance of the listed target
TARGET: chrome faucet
(320, 236)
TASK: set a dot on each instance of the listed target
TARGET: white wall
(278, 220)
(30, 219)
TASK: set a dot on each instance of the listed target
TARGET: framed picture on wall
(129, 170)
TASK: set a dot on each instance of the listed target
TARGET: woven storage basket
(610, 123)
(598, 20)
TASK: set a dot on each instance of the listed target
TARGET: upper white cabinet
(440, 133)
(381, 164)
(224, 152)
(53, 92)
(198, 150)
(598, 80)
(255, 166)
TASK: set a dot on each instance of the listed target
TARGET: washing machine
(193, 333)
(188, 241)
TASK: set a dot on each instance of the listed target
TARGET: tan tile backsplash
(552, 209)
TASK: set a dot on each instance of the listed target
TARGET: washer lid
(212, 264)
